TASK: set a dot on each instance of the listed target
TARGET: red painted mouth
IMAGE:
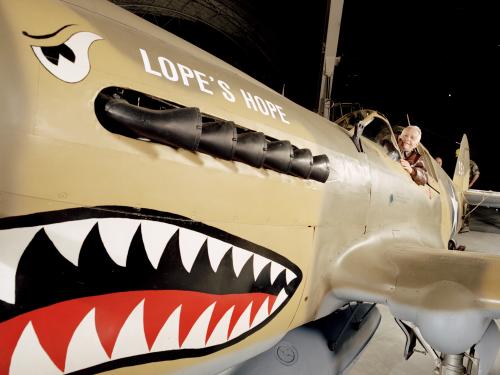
(95, 289)
(158, 321)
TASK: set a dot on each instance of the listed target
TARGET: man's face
(408, 139)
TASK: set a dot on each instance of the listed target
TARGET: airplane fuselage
(61, 163)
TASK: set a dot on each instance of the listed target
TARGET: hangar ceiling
(228, 29)
(280, 43)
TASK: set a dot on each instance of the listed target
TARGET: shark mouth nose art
(92, 289)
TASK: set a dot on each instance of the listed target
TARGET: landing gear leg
(452, 245)
(452, 364)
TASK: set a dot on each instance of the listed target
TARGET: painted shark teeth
(68, 237)
(132, 287)
(259, 262)
(168, 337)
(290, 276)
(196, 337)
(190, 243)
(13, 242)
(262, 314)
(116, 235)
(29, 346)
(216, 251)
(219, 334)
(240, 257)
(85, 349)
(243, 323)
(131, 339)
(156, 236)
(276, 269)
(282, 296)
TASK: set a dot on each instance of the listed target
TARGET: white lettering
(248, 100)
(147, 65)
(176, 72)
(272, 108)
(202, 82)
(262, 105)
(185, 73)
(170, 74)
(228, 95)
(282, 114)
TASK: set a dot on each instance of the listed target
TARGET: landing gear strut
(445, 364)
(452, 245)
(452, 364)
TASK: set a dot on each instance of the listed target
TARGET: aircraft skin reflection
(173, 213)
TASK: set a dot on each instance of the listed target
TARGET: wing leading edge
(451, 296)
(485, 198)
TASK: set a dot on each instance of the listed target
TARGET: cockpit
(373, 126)
(367, 124)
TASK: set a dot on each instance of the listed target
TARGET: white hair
(416, 128)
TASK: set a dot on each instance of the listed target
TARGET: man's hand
(406, 166)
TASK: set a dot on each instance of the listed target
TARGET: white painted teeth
(190, 243)
(155, 236)
(68, 237)
(219, 334)
(196, 336)
(216, 251)
(168, 337)
(290, 276)
(131, 340)
(240, 257)
(259, 262)
(262, 314)
(13, 242)
(276, 269)
(282, 296)
(243, 323)
(116, 235)
(85, 349)
(29, 355)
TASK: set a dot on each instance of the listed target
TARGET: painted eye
(52, 53)
(68, 61)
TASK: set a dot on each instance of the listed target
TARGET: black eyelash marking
(46, 35)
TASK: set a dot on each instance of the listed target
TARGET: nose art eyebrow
(46, 35)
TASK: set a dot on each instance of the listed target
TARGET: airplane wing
(486, 198)
(449, 295)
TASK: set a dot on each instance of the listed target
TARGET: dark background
(435, 61)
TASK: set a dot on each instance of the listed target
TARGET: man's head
(439, 161)
(409, 138)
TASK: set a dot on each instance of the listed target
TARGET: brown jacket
(419, 173)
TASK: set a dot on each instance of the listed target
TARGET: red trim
(55, 324)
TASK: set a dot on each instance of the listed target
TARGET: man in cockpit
(411, 160)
